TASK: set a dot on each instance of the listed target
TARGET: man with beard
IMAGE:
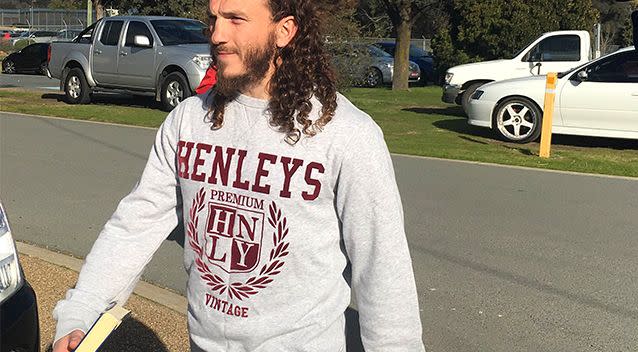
(287, 194)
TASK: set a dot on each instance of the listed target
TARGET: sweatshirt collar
(251, 102)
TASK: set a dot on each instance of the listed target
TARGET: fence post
(548, 113)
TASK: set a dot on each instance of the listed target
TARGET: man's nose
(219, 31)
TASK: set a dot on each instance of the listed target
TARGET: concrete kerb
(151, 292)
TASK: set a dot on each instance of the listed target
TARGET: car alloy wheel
(9, 67)
(73, 86)
(518, 120)
(374, 78)
(174, 93)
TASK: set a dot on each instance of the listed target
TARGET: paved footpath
(157, 321)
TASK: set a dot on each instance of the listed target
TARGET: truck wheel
(76, 88)
(174, 90)
(518, 120)
(465, 99)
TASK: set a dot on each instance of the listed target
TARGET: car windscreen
(175, 32)
(375, 51)
(417, 52)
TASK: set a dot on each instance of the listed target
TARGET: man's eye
(237, 20)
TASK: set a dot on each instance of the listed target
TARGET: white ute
(551, 52)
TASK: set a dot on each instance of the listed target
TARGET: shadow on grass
(468, 132)
(136, 101)
(131, 336)
(447, 110)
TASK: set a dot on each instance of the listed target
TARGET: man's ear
(285, 31)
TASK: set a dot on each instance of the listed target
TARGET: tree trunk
(99, 9)
(402, 51)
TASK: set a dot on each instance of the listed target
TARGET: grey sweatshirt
(276, 236)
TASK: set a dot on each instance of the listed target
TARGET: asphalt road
(29, 81)
(506, 259)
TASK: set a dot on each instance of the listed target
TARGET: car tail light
(49, 54)
(10, 276)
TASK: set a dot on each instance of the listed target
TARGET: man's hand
(68, 342)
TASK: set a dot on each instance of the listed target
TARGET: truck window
(111, 32)
(86, 36)
(176, 32)
(137, 28)
(556, 48)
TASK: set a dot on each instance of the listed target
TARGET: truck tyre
(518, 120)
(76, 88)
(467, 94)
(174, 90)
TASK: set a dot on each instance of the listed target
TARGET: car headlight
(477, 94)
(10, 277)
(203, 61)
(448, 77)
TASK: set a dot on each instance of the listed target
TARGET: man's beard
(256, 62)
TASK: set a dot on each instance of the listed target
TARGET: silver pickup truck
(165, 57)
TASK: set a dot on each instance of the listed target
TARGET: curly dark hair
(302, 70)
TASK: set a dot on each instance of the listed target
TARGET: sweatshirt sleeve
(371, 213)
(142, 220)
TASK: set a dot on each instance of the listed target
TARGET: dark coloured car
(32, 58)
(421, 57)
(19, 329)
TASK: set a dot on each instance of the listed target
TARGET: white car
(599, 98)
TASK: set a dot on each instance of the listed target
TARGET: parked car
(18, 36)
(19, 330)
(66, 35)
(551, 52)
(421, 57)
(599, 98)
(165, 57)
(32, 58)
(43, 36)
(369, 66)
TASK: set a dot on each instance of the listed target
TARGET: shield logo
(233, 237)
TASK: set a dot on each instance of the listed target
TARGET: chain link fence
(43, 19)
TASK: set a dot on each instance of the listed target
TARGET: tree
(180, 8)
(403, 14)
(483, 30)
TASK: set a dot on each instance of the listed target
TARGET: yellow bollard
(548, 113)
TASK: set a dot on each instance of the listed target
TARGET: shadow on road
(131, 336)
(531, 283)
(137, 101)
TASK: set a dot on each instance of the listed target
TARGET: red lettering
(288, 172)
(182, 158)
(240, 163)
(199, 161)
(220, 166)
(261, 172)
(313, 182)
(244, 312)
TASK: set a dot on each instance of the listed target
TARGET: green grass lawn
(414, 122)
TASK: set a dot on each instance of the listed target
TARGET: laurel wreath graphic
(238, 289)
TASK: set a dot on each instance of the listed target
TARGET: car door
(26, 58)
(136, 66)
(552, 54)
(106, 52)
(607, 99)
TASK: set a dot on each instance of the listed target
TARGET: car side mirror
(142, 41)
(582, 75)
